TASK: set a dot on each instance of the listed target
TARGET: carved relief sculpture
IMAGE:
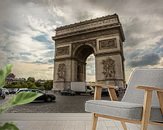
(62, 51)
(61, 71)
(109, 68)
(107, 44)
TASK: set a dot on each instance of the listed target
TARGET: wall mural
(109, 68)
(61, 71)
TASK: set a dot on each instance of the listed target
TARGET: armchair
(142, 103)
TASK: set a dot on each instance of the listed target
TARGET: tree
(48, 85)
(31, 79)
(31, 85)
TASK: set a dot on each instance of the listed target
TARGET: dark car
(2, 94)
(68, 92)
(46, 97)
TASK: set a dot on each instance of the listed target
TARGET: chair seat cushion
(131, 111)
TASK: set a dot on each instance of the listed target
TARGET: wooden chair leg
(124, 125)
(146, 110)
(112, 94)
(160, 98)
(94, 122)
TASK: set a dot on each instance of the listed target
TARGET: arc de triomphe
(102, 37)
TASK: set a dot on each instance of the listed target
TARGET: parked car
(81, 88)
(6, 91)
(12, 90)
(2, 94)
(68, 92)
(46, 97)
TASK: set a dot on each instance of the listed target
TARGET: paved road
(63, 104)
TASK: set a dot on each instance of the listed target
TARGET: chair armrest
(148, 101)
(148, 88)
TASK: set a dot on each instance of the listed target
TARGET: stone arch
(83, 51)
(91, 43)
(75, 42)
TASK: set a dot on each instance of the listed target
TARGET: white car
(5, 90)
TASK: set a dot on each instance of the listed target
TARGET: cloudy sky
(26, 27)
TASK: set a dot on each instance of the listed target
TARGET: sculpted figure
(61, 71)
(108, 68)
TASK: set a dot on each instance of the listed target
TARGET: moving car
(46, 97)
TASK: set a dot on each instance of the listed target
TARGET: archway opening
(90, 68)
(83, 57)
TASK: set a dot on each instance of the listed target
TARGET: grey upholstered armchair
(141, 104)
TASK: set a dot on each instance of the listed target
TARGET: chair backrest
(147, 77)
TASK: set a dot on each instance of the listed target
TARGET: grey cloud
(39, 62)
(49, 53)
(132, 28)
(19, 58)
(82, 15)
(143, 57)
(45, 40)
(139, 18)
(130, 6)
(43, 61)
(41, 38)
(158, 48)
(147, 59)
(25, 53)
(51, 61)
(14, 22)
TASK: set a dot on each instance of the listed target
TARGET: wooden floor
(63, 121)
(57, 121)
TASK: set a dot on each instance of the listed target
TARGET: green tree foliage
(31, 79)
(48, 85)
(39, 84)
(31, 85)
